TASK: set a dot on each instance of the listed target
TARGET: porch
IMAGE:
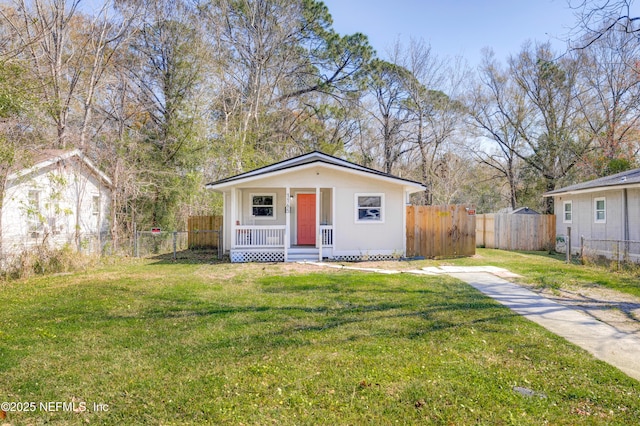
(280, 224)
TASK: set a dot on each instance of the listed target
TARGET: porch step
(299, 254)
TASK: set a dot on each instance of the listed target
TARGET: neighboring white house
(605, 209)
(62, 198)
(314, 206)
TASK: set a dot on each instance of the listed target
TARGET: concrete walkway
(606, 343)
(622, 350)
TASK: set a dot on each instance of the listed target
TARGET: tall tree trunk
(550, 185)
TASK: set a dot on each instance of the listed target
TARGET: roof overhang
(589, 190)
(269, 171)
(62, 157)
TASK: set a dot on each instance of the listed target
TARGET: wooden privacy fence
(204, 231)
(516, 231)
(440, 231)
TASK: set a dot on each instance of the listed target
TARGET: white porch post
(318, 235)
(333, 218)
(287, 223)
(404, 223)
(234, 214)
(225, 243)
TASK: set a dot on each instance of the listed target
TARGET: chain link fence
(149, 243)
(42, 253)
(175, 244)
(85, 243)
(620, 251)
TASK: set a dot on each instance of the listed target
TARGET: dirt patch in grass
(615, 308)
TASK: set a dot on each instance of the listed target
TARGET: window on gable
(95, 205)
(263, 206)
(369, 208)
(567, 211)
(34, 200)
(600, 209)
(33, 213)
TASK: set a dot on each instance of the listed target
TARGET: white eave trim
(409, 186)
(56, 159)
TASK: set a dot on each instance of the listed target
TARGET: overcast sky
(455, 27)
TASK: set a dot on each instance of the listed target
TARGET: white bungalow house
(605, 211)
(61, 198)
(312, 207)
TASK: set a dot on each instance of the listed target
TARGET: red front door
(306, 219)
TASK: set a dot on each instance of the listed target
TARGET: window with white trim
(95, 205)
(567, 212)
(600, 210)
(34, 214)
(369, 208)
(263, 206)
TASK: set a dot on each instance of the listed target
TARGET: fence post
(175, 238)
(220, 240)
(568, 244)
(136, 251)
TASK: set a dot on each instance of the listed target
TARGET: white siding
(350, 238)
(66, 209)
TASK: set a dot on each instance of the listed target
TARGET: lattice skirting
(361, 258)
(257, 256)
(269, 256)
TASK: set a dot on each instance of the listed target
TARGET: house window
(33, 213)
(34, 200)
(263, 206)
(567, 211)
(369, 208)
(53, 219)
(95, 205)
(600, 209)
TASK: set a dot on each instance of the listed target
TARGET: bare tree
(552, 133)
(532, 110)
(498, 112)
(612, 78)
(596, 18)
(435, 113)
(67, 53)
(387, 83)
(105, 34)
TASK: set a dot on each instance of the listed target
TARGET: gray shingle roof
(630, 177)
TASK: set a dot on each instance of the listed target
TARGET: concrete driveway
(620, 349)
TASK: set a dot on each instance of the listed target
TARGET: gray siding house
(605, 209)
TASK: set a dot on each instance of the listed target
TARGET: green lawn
(163, 343)
(545, 270)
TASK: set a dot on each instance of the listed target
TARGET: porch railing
(273, 236)
(326, 231)
(259, 236)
